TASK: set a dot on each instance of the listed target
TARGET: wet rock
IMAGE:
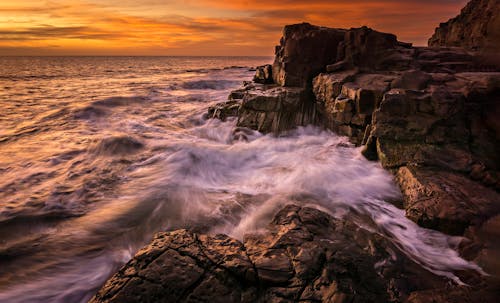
(305, 255)
(432, 107)
(275, 109)
(118, 145)
(224, 110)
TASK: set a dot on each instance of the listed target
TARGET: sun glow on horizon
(206, 27)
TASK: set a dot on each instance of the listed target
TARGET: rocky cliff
(477, 27)
(429, 114)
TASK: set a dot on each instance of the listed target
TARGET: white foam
(322, 167)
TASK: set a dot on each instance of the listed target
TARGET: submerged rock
(118, 145)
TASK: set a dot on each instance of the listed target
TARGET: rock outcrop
(477, 28)
(306, 255)
(428, 114)
(304, 51)
(431, 111)
(264, 74)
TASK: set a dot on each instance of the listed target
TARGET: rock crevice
(306, 255)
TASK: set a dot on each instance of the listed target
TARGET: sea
(97, 154)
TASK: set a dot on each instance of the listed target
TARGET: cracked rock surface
(305, 255)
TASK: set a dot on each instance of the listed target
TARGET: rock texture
(304, 51)
(430, 114)
(306, 255)
(264, 74)
(476, 28)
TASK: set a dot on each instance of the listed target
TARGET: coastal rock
(476, 28)
(224, 110)
(446, 201)
(367, 49)
(275, 109)
(431, 107)
(304, 51)
(305, 255)
(264, 74)
(120, 145)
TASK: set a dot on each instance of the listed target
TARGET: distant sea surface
(99, 153)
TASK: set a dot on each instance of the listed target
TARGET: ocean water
(99, 153)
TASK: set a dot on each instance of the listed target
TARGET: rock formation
(306, 255)
(477, 28)
(428, 114)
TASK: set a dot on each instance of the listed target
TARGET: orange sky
(203, 27)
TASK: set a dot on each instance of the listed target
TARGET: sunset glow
(207, 27)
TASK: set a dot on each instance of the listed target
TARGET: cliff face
(476, 28)
(303, 52)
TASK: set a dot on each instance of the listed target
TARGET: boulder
(224, 110)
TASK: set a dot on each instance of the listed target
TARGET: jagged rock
(224, 110)
(304, 52)
(305, 255)
(367, 49)
(477, 28)
(326, 87)
(429, 106)
(275, 109)
(264, 74)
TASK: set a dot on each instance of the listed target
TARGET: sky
(197, 28)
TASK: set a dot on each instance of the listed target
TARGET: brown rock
(275, 109)
(414, 79)
(304, 255)
(264, 74)
(370, 50)
(304, 51)
(224, 110)
(445, 201)
(477, 28)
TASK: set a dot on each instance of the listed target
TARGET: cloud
(238, 27)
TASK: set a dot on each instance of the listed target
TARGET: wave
(310, 167)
